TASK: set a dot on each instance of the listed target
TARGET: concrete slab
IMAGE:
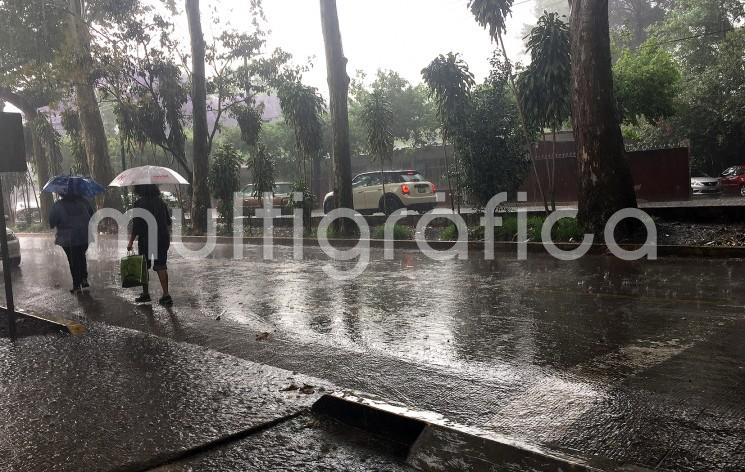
(307, 443)
(122, 400)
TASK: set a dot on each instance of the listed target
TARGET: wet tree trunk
(91, 123)
(201, 195)
(338, 79)
(605, 183)
(42, 175)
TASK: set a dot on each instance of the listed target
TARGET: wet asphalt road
(638, 362)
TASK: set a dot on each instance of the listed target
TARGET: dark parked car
(732, 180)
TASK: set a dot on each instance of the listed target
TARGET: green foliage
(261, 164)
(493, 157)
(249, 122)
(400, 232)
(450, 83)
(224, 180)
(492, 14)
(377, 115)
(646, 83)
(303, 109)
(545, 86)
(644, 135)
(449, 233)
(709, 107)
(565, 230)
(414, 117)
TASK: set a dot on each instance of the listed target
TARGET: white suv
(403, 189)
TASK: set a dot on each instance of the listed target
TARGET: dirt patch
(701, 234)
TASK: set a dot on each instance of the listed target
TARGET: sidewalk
(119, 400)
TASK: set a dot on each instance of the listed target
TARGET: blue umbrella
(73, 185)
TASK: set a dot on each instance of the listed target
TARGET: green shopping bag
(134, 271)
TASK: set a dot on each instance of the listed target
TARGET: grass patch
(31, 227)
(400, 232)
(565, 230)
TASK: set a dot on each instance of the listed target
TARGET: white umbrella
(148, 175)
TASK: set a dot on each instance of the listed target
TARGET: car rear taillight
(405, 189)
(434, 188)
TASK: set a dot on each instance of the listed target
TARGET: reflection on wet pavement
(607, 357)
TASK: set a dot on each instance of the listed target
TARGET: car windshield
(248, 189)
(736, 170)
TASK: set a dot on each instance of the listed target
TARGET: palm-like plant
(302, 108)
(377, 116)
(493, 14)
(545, 86)
(224, 178)
(450, 83)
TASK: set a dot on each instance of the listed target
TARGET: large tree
(605, 183)
(201, 195)
(82, 74)
(338, 79)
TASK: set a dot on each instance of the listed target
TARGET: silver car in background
(705, 185)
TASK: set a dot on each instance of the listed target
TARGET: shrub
(400, 232)
(450, 233)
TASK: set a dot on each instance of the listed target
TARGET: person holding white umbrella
(145, 181)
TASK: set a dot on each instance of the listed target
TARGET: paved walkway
(121, 400)
(638, 362)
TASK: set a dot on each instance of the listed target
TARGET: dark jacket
(162, 214)
(71, 216)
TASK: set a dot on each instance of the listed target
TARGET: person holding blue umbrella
(70, 216)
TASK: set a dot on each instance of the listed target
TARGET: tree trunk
(605, 183)
(336, 65)
(201, 196)
(553, 171)
(91, 123)
(42, 174)
(316, 179)
(447, 174)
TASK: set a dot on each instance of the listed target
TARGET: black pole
(10, 305)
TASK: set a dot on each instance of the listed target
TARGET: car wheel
(392, 203)
(15, 262)
(328, 206)
(742, 191)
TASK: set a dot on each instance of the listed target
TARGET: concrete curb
(436, 445)
(68, 326)
(499, 246)
(737, 252)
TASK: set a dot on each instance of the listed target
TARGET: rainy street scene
(330, 235)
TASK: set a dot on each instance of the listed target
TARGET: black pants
(78, 264)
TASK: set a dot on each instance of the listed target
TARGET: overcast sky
(402, 35)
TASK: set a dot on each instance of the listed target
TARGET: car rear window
(283, 188)
(410, 177)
